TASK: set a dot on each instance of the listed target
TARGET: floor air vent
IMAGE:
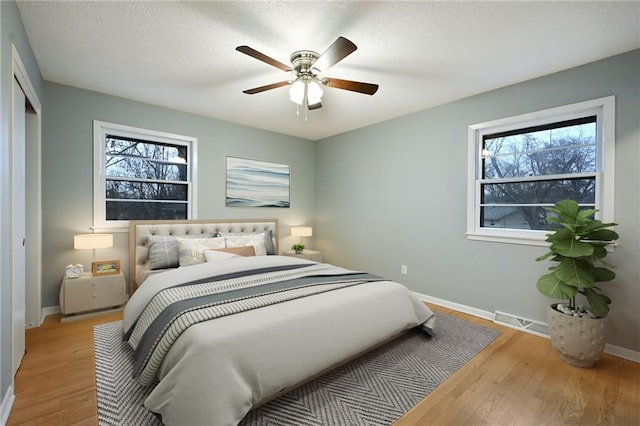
(523, 324)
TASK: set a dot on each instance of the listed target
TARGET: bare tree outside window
(525, 170)
(145, 179)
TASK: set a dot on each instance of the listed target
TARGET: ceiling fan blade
(340, 49)
(265, 88)
(262, 57)
(317, 105)
(354, 86)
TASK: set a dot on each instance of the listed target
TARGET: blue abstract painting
(254, 183)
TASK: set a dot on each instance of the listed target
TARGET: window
(519, 165)
(141, 174)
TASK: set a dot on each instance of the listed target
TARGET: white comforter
(218, 370)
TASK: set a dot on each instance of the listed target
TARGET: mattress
(218, 370)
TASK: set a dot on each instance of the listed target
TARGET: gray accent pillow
(268, 238)
(163, 250)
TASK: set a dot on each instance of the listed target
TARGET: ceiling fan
(306, 86)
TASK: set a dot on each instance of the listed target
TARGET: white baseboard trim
(7, 404)
(50, 310)
(621, 352)
(613, 350)
(456, 306)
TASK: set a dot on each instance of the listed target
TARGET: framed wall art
(255, 183)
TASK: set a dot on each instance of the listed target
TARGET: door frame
(33, 140)
(18, 213)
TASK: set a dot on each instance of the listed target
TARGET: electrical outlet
(403, 269)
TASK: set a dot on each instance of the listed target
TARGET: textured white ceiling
(182, 54)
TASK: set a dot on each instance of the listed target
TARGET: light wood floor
(517, 380)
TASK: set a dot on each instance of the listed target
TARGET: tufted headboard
(139, 230)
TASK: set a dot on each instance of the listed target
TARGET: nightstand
(89, 293)
(316, 256)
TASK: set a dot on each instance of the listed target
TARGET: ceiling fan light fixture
(314, 93)
(311, 87)
(296, 92)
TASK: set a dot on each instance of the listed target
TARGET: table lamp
(301, 231)
(92, 241)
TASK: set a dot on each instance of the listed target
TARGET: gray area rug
(375, 389)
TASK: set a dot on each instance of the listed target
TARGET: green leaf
(603, 274)
(599, 251)
(559, 235)
(568, 209)
(572, 248)
(595, 225)
(551, 286)
(569, 227)
(602, 235)
(544, 256)
(586, 214)
(598, 303)
(574, 272)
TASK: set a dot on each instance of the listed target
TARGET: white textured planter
(579, 341)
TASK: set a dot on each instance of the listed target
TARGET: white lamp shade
(314, 93)
(301, 231)
(312, 88)
(296, 92)
(92, 241)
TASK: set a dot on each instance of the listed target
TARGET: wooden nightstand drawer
(91, 283)
(102, 297)
(89, 293)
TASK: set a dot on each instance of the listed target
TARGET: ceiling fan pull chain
(305, 101)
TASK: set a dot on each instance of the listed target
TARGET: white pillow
(190, 251)
(255, 240)
(218, 256)
(268, 238)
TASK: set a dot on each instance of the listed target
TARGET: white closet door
(18, 218)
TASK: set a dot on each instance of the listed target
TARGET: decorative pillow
(268, 238)
(255, 240)
(190, 251)
(216, 255)
(240, 251)
(163, 250)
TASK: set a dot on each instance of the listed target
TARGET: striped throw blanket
(174, 309)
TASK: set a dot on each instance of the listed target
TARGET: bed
(264, 323)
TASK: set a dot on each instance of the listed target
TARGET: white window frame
(604, 108)
(100, 131)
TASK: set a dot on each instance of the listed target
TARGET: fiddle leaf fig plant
(578, 245)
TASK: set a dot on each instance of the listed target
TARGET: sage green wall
(67, 171)
(395, 193)
(12, 33)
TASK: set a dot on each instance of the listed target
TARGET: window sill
(111, 229)
(535, 239)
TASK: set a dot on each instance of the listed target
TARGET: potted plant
(578, 245)
(298, 248)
